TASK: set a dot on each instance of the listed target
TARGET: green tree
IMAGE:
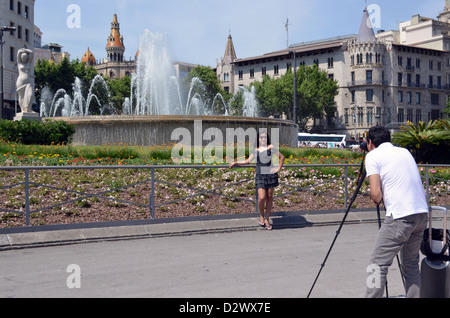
(275, 95)
(315, 94)
(211, 86)
(119, 90)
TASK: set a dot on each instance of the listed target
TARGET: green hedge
(31, 132)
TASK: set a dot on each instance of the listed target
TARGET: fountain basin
(151, 130)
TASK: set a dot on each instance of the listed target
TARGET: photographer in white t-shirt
(395, 181)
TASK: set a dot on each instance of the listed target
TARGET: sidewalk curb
(76, 234)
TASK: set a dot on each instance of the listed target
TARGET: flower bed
(319, 187)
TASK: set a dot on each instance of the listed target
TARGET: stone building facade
(384, 78)
(19, 14)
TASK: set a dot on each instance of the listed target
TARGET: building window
(368, 77)
(418, 115)
(276, 70)
(417, 63)
(417, 98)
(378, 58)
(27, 35)
(226, 77)
(434, 99)
(19, 8)
(11, 5)
(400, 97)
(252, 73)
(11, 54)
(360, 116)
(330, 62)
(409, 97)
(370, 116)
(353, 96)
(431, 64)
(409, 115)
(369, 95)
(241, 75)
(400, 79)
(27, 13)
(400, 115)
(19, 32)
(417, 80)
(11, 32)
(400, 60)
(346, 111)
(264, 71)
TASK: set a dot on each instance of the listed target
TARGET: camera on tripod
(363, 147)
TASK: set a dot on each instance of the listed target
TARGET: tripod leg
(355, 194)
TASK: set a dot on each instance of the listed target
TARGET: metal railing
(27, 185)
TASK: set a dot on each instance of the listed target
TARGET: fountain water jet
(61, 104)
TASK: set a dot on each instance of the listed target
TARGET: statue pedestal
(27, 116)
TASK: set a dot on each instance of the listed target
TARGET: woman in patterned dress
(266, 175)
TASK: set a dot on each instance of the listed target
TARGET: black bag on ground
(436, 235)
(435, 269)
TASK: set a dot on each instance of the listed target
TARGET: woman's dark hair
(378, 135)
(264, 131)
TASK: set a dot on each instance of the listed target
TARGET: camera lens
(364, 147)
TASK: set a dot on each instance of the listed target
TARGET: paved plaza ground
(228, 258)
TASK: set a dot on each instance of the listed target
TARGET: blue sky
(198, 29)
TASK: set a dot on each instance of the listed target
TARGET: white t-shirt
(403, 192)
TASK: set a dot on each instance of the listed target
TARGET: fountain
(156, 106)
(61, 104)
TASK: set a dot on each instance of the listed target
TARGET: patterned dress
(264, 178)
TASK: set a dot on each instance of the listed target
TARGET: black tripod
(360, 181)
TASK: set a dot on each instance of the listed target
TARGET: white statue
(23, 84)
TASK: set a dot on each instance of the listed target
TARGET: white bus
(319, 140)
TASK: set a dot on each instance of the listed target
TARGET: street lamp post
(295, 88)
(354, 120)
(2, 29)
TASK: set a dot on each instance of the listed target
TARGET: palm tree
(428, 142)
